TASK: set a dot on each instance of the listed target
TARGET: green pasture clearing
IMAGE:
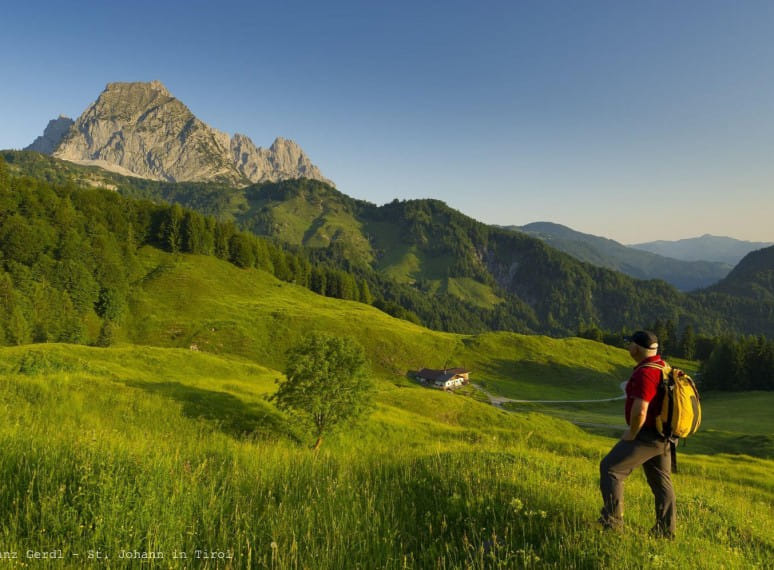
(401, 260)
(472, 291)
(313, 220)
(185, 300)
(537, 367)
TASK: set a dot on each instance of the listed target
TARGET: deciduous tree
(326, 383)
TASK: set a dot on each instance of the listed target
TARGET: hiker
(641, 444)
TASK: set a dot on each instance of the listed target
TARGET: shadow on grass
(231, 415)
(552, 380)
(712, 441)
(412, 378)
(313, 229)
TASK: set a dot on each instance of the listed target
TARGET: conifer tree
(72, 326)
(222, 238)
(106, 334)
(722, 370)
(79, 284)
(241, 251)
(365, 293)
(671, 340)
(19, 329)
(3, 172)
(688, 343)
(319, 281)
(193, 232)
(172, 237)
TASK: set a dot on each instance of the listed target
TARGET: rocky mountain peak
(159, 86)
(154, 85)
(283, 160)
(143, 129)
(52, 135)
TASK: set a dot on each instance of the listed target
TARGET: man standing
(641, 444)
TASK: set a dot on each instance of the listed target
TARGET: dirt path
(500, 400)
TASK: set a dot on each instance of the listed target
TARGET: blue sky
(631, 120)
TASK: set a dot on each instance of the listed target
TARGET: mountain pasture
(167, 444)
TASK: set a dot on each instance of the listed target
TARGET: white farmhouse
(447, 379)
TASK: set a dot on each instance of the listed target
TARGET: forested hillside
(753, 278)
(418, 259)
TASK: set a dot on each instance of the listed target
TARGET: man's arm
(637, 419)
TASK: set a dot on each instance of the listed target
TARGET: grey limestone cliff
(282, 160)
(52, 135)
(143, 130)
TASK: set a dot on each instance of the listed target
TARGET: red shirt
(643, 384)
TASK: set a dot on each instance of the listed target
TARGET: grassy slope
(315, 220)
(430, 479)
(407, 263)
(162, 448)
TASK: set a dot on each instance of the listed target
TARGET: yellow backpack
(681, 408)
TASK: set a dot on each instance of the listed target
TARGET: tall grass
(117, 450)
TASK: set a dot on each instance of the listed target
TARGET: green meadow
(165, 445)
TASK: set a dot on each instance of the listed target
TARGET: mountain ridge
(752, 278)
(605, 252)
(707, 247)
(141, 129)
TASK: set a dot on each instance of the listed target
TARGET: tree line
(726, 362)
(737, 364)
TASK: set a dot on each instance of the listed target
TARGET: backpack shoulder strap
(666, 369)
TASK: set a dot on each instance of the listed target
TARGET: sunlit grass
(165, 450)
(156, 447)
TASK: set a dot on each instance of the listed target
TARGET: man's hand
(636, 419)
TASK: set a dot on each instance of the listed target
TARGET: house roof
(443, 375)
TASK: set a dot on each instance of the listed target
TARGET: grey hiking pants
(651, 451)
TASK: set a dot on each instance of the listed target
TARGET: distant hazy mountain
(685, 275)
(141, 129)
(705, 248)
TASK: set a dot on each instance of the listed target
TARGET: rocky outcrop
(282, 160)
(52, 135)
(142, 129)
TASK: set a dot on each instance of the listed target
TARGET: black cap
(645, 339)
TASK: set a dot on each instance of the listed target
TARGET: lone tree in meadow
(326, 383)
